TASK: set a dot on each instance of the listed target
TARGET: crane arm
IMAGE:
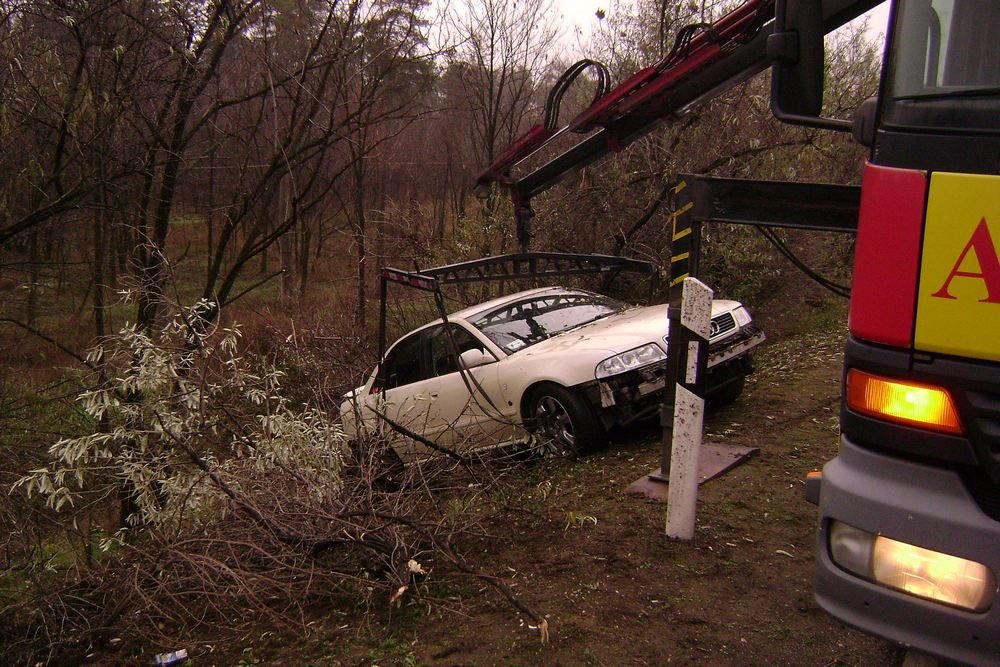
(706, 60)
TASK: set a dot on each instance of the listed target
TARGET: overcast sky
(582, 14)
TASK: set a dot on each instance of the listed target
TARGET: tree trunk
(34, 278)
(361, 245)
(100, 254)
(305, 244)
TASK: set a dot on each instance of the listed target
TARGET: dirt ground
(613, 589)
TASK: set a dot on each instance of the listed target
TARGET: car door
(406, 390)
(472, 400)
(418, 386)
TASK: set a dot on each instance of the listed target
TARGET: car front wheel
(729, 393)
(565, 421)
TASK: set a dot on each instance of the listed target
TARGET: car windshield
(517, 325)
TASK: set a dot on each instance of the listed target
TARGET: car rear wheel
(564, 421)
(379, 464)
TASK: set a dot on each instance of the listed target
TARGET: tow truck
(908, 540)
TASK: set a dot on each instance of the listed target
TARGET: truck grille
(985, 493)
(985, 410)
(983, 423)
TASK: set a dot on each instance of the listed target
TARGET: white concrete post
(689, 412)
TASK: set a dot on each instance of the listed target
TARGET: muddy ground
(613, 589)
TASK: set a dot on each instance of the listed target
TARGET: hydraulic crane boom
(706, 59)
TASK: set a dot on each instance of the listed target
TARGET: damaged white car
(564, 364)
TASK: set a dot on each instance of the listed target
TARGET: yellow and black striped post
(685, 242)
(685, 247)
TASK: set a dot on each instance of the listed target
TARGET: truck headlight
(626, 361)
(742, 316)
(927, 574)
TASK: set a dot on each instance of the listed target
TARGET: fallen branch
(402, 430)
(444, 547)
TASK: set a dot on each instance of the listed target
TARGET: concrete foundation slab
(713, 461)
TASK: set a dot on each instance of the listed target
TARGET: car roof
(473, 312)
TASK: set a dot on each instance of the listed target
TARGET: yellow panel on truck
(958, 301)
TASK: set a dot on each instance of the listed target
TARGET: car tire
(565, 421)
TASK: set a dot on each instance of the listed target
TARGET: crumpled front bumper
(636, 395)
(734, 347)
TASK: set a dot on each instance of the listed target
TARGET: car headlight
(742, 316)
(626, 361)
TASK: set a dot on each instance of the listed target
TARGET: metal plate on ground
(713, 460)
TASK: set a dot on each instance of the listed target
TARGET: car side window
(442, 356)
(405, 363)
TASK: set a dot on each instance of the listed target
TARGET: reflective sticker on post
(682, 494)
(958, 305)
(691, 376)
(696, 307)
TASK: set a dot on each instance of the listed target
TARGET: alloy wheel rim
(554, 421)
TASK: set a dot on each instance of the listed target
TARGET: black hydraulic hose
(836, 288)
(682, 41)
(554, 99)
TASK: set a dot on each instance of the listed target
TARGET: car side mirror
(473, 358)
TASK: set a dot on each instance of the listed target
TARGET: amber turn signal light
(902, 401)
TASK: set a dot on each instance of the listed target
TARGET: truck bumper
(920, 505)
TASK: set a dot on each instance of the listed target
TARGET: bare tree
(504, 49)
(116, 110)
(504, 52)
(381, 98)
